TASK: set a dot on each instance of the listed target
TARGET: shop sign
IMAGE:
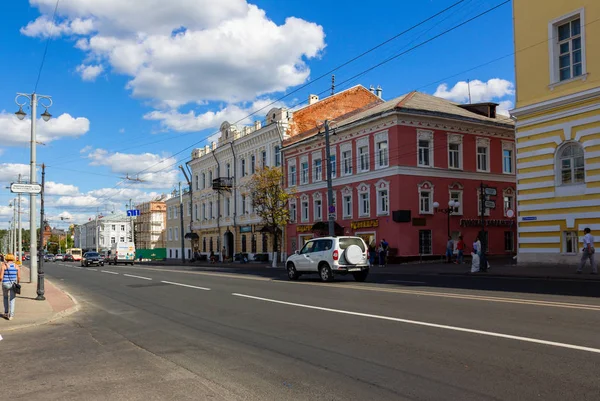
(419, 221)
(355, 225)
(246, 229)
(487, 222)
(307, 228)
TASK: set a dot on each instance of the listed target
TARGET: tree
(270, 200)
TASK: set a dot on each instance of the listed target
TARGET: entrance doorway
(228, 244)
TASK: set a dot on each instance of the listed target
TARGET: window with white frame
(170, 235)
(426, 198)
(483, 154)
(304, 172)
(195, 211)
(318, 170)
(456, 196)
(455, 151)
(318, 209)
(210, 178)
(176, 232)
(203, 180)
(424, 148)
(189, 208)
(571, 166)
(122, 239)
(277, 156)
(122, 227)
(210, 210)
(383, 198)
(508, 156)
(264, 158)
(169, 213)
(347, 162)
(363, 154)
(333, 165)
(227, 206)
(304, 211)
(347, 203)
(382, 157)
(293, 212)
(204, 211)
(571, 242)
(228, 169)
(508, 197)
(197, 183)
(244, 172)
(364, 201)
(252, 164)
(567, 47)
(244, 206)
(292, 175)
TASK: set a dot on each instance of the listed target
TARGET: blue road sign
(529, 218)
(133, 213)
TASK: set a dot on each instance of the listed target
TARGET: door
(304, 259)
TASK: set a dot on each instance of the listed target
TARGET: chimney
(213, 145)
(378, 91)
(312, 99)
(257, 125)
(372, 89)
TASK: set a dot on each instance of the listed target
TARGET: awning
(324, 226)
(192, 236)
(268, 229)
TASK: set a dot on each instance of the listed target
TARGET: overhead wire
(37, 81)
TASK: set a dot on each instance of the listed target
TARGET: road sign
(331, 209)
(133, 213)
(332, 215)
(510, 214)
(25, 188)
(529, 218)
(490, 204)
(490, 191)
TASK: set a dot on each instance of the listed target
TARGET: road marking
(406, 281)
(89, 268)
(131, 275)
(427, 324)
(109, 272)
(77, 267)
(225, 275)
(186, 285)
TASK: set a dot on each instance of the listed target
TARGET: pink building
(393, 162)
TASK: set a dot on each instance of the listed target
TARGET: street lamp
(450, 210)
(45, 101)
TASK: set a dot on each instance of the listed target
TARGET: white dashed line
(186, 285)
(434, 325)
(109, 272)
(89, 268)
(406, 282)
(143, 278)
(77, 267)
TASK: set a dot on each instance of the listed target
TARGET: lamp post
(450, 210)
(46, 102)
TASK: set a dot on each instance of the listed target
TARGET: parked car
(27, 257)
(58, 257)
(91, 258)
(68, 258)
(329, 256)
(49, 257)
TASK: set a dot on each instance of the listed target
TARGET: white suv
(328, 256)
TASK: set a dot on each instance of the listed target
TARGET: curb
(56, 316)
(495, 275)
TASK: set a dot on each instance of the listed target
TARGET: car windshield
(92, 254)
(347, 241)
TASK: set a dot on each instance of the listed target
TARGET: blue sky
(136, 82)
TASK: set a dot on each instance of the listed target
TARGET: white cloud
(122, 131)
(80, 201)
(85, 149)
(89, 72)
(168, 49)
(9, 172)
(492, 90)
(54, 188)
(18, 132)
(504, 107)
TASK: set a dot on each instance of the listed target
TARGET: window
(571, 242)
(305, 211)
(264, 243)
(304, 173)
(347, 162)
(333, 166)
(456, 196)
(253, 244)
(509, 241)
(210, 210)
(113, 240)
(243, 204)
(347, 205)
(292, 177)
(425, 198)
(383, 201)
(189, 208)
(293, 214)
(425, 242)
(508, 202)
(507, 161)
(424, 151)
(570, 60)
(176, 253)
(382, 154)
(204, 211)
(424, 148)
(244, 245)
(169, 213)
(318, 170)
(203, 244)
(264, 158)
(210, 178)
(318, 206)
(363, 158)
(196, 211)
(227, 206)
(176, 230)
(122, 239)
(252, 164)
(277, 156)
(571, 162)
(482, 158)
(228, 169)
(197, 183)
(175, 212)
(455, 151)
(113, 227)
(365, 209)
(203, 180)
(243, 167)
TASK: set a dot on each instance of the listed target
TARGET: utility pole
(181, 231)
(20, 236)
(331, 207)
(482, 236)
(14, 245)
(40, 282)
(131, 220)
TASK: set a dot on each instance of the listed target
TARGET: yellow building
(557, 46)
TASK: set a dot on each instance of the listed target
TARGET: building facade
(150, 226)
(99, 234)
(173, 233)
(558, 127)
(225, 219)
(392, 162)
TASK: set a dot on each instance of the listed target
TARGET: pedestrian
(386, 248)
(588, 252)
(224, 254)
(382, 253)
(460, 247)
(10, 274)
(372, 254)
(449, 249)
(477, 246)
(212, 257)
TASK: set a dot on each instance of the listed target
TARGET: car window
(346, 242)
(308, 247)
(91, 254)
(327, 244)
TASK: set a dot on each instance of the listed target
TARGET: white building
(101, 233)
(173, 227)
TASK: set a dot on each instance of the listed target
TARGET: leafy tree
(270, 200)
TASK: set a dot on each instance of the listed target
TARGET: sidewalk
(29, 312)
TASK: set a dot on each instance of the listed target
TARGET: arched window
(571, 166)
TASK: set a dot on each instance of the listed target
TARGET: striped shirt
(10, 273)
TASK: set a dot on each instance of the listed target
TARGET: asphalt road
(169, 333)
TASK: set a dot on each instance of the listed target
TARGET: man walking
(588, 252)
(449, 250)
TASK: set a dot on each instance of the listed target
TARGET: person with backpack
(10, 276)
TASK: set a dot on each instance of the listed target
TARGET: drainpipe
(218, 208)
(275, 255)
(234, 197)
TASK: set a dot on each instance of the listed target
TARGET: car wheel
(292, 272)
(101, 263)
(325, 272)
(361, 276)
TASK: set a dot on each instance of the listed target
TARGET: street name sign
(133, 213)
(490, 204)
(25, 188)
(490, 191)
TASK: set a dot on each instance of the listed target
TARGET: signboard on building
(355, 225)
(304, 228)
(490, 191)
(222, 183)
(133, 213)
(490, 204)
(246, 229)
(488, 223)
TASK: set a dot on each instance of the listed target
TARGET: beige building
(150, 224)
(173, 227)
